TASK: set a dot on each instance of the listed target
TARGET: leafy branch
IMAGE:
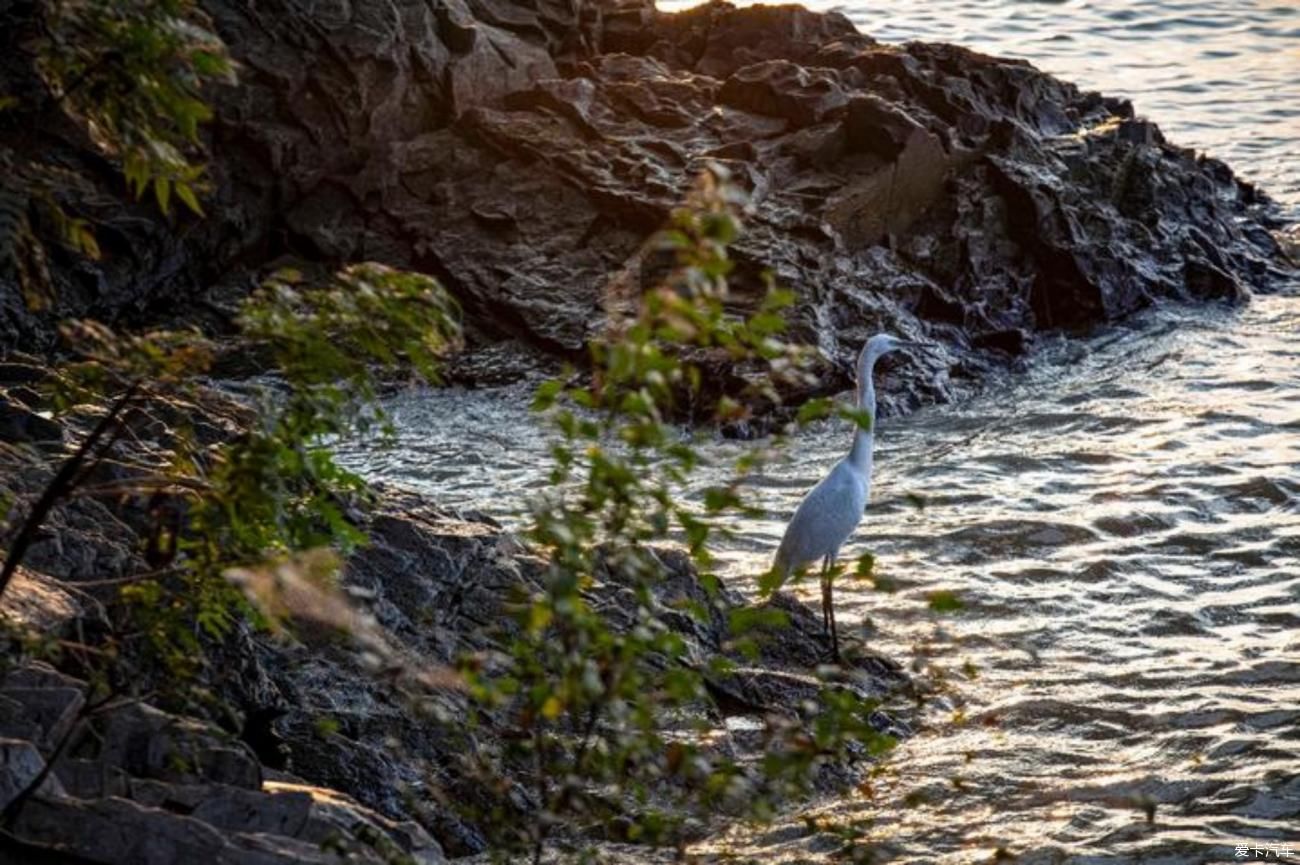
(596, 703)
(135, 72)
(273, 490)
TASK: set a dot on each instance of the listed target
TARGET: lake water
(1122, 522)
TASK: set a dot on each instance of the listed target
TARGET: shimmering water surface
(1123, 525)
(1122, 522)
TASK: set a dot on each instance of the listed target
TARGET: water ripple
(1122, 522)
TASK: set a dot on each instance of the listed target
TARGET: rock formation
(308, 744)
(523, 152)
(135, 785)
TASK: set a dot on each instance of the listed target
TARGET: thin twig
(58, 487)
(542, 827)
(115, 581)
(131, 487)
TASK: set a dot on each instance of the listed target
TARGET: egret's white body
(829, 513)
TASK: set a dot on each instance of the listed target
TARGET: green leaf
(944, 601)
(884, 584)
(326, 726)
(879, 744)
(770, 581)
(745, 619)
(546, 394)
(861, 417)
(720, 499)
(210, 64)
(814, 409)
(185, 193)
(162, 190)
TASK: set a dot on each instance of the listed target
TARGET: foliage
(136, 74)
(135, 70)
(21, 253)
(26, 200)
(274, 489)
(603, 712)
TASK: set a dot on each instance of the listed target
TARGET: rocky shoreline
(523, 152)
(308, 753)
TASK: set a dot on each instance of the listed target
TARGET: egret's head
(880, 344)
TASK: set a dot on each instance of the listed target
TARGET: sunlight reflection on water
(1123, 526)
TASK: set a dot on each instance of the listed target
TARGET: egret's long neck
(863, 439)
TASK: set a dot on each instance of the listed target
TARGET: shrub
(592, 704)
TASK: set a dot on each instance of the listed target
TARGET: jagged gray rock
(20, 764)
(523, 151)
(162, 789)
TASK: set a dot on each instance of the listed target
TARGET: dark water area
(1121, 520)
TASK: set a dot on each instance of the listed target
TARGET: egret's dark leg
(828, 609)
(826, 596)
(830, 613)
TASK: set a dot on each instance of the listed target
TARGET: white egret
(831, 510)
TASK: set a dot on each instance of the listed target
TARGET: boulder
(523, 151)
(145, 742)
(331, 813)
(52, 711)
(38, 602)
(20, 764)
(115, 831)
(91, 779)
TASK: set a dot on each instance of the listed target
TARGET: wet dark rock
(259, 733)
(147, 743)
(147, 786)
(82, 539)
(17, 372)
(20, 764)
(18, 423)
(747, 691)
(522, 152)
(50, 710)
(91, 779)
(238, 810)
(14, 722)
(115, 831)
(496, 363)
(1013, 341)
(439, 582)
